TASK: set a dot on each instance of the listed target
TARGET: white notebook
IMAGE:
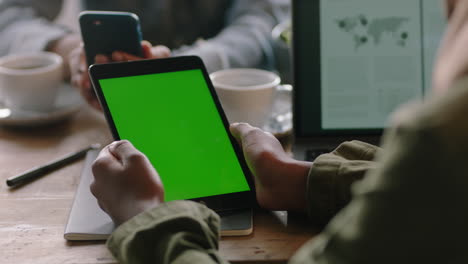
(87, 221)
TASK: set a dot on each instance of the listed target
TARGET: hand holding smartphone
(104, 32)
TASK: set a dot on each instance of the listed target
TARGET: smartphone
(104, 32)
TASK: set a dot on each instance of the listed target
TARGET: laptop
(355, 62)
(169, 110)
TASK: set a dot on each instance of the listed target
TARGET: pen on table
(39, 171)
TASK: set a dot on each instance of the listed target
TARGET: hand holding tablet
(115, 165)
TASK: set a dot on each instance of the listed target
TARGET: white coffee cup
(30, 81)
(246, 94)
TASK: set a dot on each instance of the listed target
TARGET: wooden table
(32, 217)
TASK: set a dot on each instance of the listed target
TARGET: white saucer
(280, 121)
(68, 102)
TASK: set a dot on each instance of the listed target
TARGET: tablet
(169, 110)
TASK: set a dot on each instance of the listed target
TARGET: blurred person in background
(224, 33)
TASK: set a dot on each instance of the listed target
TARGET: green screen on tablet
(172, 118)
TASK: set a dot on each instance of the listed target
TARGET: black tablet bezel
(306, 36)
(143, 67)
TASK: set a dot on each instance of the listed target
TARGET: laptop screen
(356, 61)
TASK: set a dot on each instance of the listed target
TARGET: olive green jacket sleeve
(331, 176)
(412, 208)
(174, 232)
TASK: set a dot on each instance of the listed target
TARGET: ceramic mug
(30, 81)
(246, 94)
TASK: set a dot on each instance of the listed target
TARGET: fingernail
(242, 123)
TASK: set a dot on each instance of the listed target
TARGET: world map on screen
(365, 31)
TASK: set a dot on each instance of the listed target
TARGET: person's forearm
(297, 172)
(27, 26)
(244, 42)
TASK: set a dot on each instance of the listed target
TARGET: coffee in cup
(30, 81)
(246, 94)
